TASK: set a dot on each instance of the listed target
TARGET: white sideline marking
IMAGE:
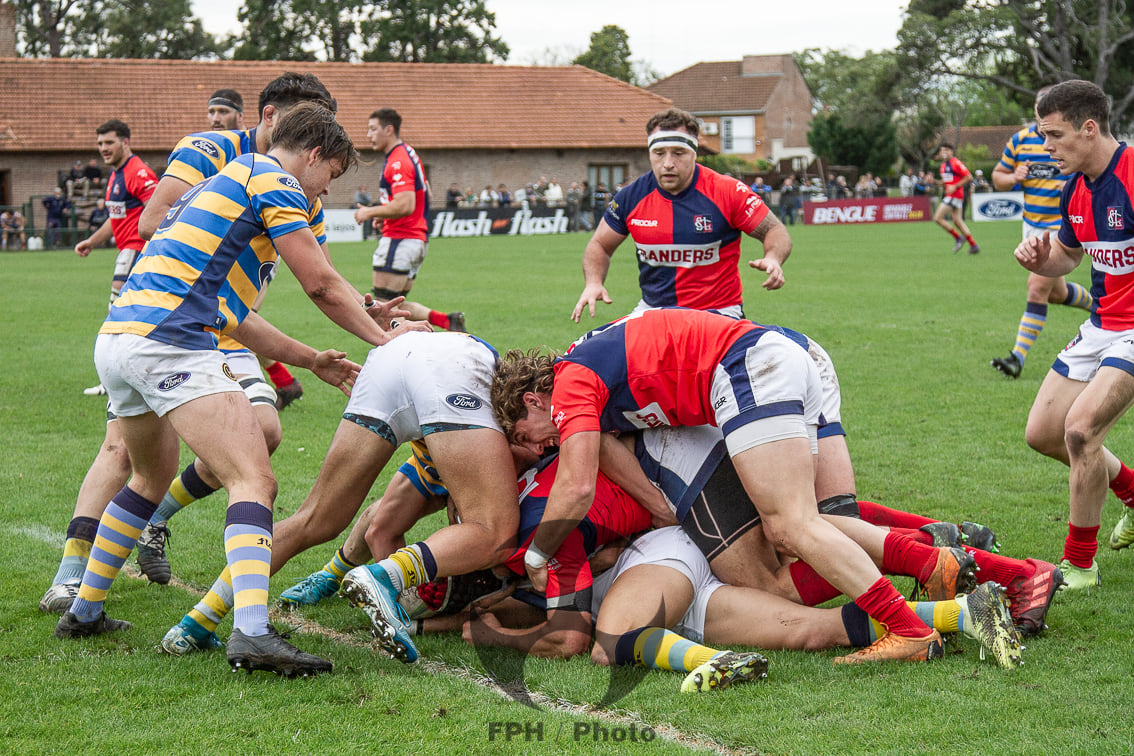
(42, 533)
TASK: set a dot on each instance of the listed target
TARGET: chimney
(7, 30)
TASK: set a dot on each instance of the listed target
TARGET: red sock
(953, 233)
(918, 535)
(1123, 485)
(969, 239)
(902, 555)
(1000, 569)
(883, 602)
(812, 587)
(1081, 545)
(439, 319)
(876, 514)
(280, 375)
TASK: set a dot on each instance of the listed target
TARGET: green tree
(163, 29)
(299, 30)
(433, 31)
(1018, 45)
(49, 28)
(871, 147)
(609, 53)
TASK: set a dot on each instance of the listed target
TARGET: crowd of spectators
(583, 205)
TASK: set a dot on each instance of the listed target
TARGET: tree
(433, 31)
(609, 53)
(1018, 45)
(47, 28)
(164, 29)
(872, 147)
(299, 30)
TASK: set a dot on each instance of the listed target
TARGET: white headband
(672, 137)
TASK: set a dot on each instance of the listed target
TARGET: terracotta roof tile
(56, 104)
(718, 88)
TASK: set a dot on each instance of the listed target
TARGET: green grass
(932, 429)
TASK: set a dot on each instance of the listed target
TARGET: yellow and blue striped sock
(658, 648)
(216, 604)
(862, 629)
(185, 489)
(339, 565)
(81, 533)
(410, 566)
(118, 530)
(1031, 324)
(248, 548)
(1078, 296)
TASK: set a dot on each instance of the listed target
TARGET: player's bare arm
(399, 206)
(777, 248)
(617, 462)
(330, 292)
(596, 264)
(168, 191)
(571, 497)
(102, 235)
(1004, 179)
(330, 365)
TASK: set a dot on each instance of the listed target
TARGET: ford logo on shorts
(1001, 208)
(171, 382)
(464, 401)
(207, 147)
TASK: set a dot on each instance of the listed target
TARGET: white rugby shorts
(1093, 348)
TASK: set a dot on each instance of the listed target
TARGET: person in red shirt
(955, 177)
(403, 208)
(681, 367)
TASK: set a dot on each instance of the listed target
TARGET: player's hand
(1021, 172)
(331, 366)
(362, 215)
(591, 294)
(399, 327)
(775, 272)
(83, 248)
(538, 577)
(1034, 251)
(384, 312)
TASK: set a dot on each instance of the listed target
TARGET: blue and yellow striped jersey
(200, 273)
(1044, 184)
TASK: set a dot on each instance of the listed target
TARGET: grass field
(932, 429)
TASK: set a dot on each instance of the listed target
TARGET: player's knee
(1081, 437)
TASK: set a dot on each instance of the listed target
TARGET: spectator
(922, 182)
(75, 175)
(521, 197)
(763, 190)
(12, 227)
(906, 183)
(599, 199)
(553, 194)
(980, 183)
(879, 187)
(586, 205)
(454, 196)
(362, 198)
(99, 214)
(92, 178)
(504, 197)
(865, 186)
(55, 205)
(573, 196)
(789, 200)
(471, 197)
(538, 194)
(488, 197)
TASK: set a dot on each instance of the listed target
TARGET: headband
(225, 102)
(672, 137)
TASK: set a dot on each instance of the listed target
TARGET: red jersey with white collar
(403, 173)
(127, 191)
(1098, 217)
(953, 170)
(649, 369)
(688, 244)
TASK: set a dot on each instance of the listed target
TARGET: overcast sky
(668, 35)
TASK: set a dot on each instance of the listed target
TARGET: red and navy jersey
(688, 244)
(403, 173)
(649, 369)
(1098, 217)
(127, 191)
(613, 514)
(953, 170)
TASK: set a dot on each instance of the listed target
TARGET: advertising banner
(506, 221)
(873, 210)
(990, 206)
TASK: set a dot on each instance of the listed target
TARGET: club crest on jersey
(463, 401)
(290, 182)
(1114, 218)
(171, 382)
(206, 147)
(703, 224)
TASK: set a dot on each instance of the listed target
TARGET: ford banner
(990, 206)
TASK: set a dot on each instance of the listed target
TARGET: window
(611, 175)
(738, 135)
